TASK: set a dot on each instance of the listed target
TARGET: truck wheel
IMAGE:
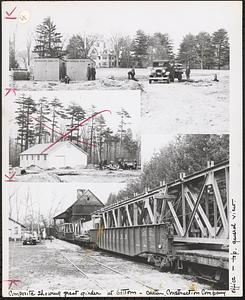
(180, 77)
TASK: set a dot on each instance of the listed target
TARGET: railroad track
(97, 263)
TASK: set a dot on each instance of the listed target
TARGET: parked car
(29, 239)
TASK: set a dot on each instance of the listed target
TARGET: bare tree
(116, 43)
(29, 40)
(81, 45)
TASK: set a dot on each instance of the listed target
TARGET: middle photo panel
(75, 136)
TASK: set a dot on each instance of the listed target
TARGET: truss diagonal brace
(196, 205)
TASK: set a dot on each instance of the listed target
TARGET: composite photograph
(121, 153)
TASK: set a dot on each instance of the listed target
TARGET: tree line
(204, 50)
(46, 120)
(187, 153)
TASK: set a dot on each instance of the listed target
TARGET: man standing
(89, 72)
(93, 72)
(188, 72)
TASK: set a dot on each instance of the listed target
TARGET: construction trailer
(48, 69)
(76, 69)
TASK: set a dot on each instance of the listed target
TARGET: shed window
(26, 157)
(45, 157)
(38, 157)
(32, 157)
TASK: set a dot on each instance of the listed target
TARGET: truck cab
(160, 71)
(165, 71)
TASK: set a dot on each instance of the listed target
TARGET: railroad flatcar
(180, 226)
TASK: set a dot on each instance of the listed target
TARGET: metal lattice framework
(196, 205)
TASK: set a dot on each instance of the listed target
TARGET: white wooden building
(15, 230)
(59, 155)
(48, 69)
(76, 69)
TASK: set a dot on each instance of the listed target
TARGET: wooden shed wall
(46, 69)
(76, 69)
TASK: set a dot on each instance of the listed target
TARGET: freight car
(180, 226)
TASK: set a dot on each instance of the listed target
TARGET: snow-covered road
(45, 266)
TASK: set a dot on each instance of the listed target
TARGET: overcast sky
(103, 99)
(177, 18)
(49, 196)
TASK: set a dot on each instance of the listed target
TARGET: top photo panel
(120, 45)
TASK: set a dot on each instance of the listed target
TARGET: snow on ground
(199, 106)
(45, 266)
(35, 174)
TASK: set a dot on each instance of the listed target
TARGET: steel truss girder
(161, 205)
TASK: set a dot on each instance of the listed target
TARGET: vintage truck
(165, 71)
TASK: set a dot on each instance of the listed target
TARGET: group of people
(91, 72)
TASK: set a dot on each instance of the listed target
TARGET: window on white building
(38, 157)
(26, 157)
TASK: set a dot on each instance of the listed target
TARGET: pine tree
(125, 56)
(56, 112)
(220, 43)
(48, 40)
(43, 110)
(140, 48)
(26, 133)
(100, 133)
(75, 113)
(161, 47)
(187, 51)
(124, 115)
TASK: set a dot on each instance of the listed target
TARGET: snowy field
(47, 268)
(199, 106)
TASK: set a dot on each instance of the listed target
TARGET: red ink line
(10, 177)
(12, 281)
(60, 133)
(75, 127)
(9, 14)
(9, 90)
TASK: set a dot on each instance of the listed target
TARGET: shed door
(59, 161)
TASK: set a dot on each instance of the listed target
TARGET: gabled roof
(16, 222)
(81, 201)
(39, 148)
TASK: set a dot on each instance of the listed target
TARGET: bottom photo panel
(164, 233)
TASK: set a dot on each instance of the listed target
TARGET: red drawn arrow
(10, 177)
(12, 281)
(75, 127)
(61, 134)
(9, 14)
(9, 90)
